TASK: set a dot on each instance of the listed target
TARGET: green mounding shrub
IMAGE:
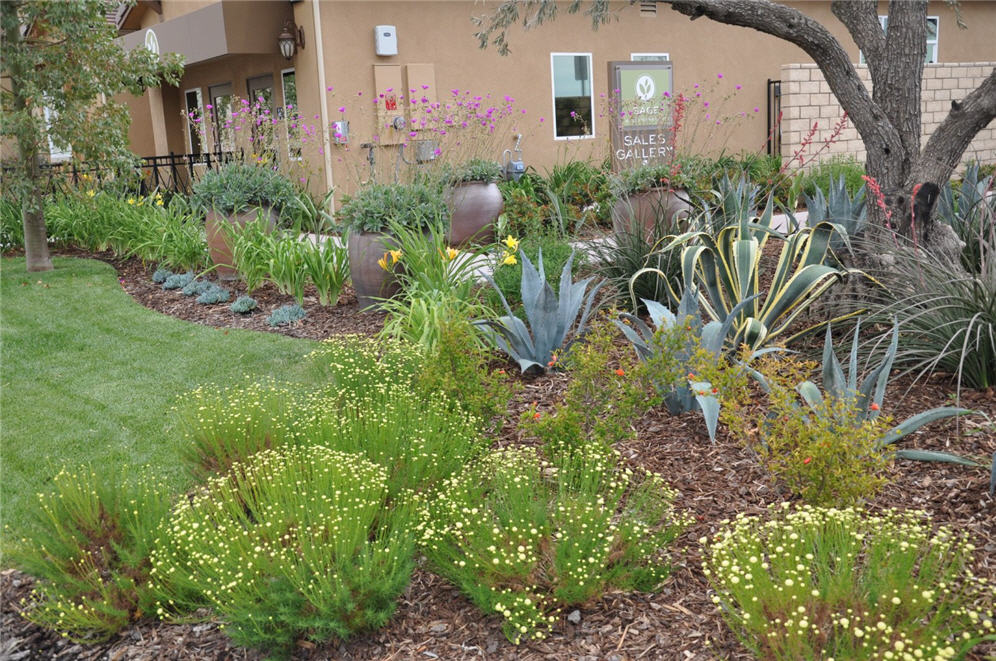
(816, 583)
(420, 438)
(295, 543)
(237, 187)
(243, 305)
(821, 175)
(372, 209)
(522, 537)
(178, 281)
(89, 548)
(286, 315)
(214, 295)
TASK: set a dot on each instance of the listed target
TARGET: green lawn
(87, 376)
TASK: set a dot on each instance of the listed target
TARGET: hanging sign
(640, 112)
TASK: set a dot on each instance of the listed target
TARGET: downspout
(323, 98)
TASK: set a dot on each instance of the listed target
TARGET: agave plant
(970, 210)
(866, 399)
(683, 395)
(550, 317)
(727, 270)
(840, 208)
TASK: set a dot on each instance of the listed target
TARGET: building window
(573, 105)
(195, 120)
(933, 27)
(290, 114)
(221, 116)
(649, 57)
(56, 154)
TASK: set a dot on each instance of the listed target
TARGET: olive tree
(62, 56)
(888, 118)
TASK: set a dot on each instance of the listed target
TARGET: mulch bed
(434, 621)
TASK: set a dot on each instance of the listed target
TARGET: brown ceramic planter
(647, 208)
(218, 243)
(474, 208)
(370, 280)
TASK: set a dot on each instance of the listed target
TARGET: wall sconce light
(291, 39)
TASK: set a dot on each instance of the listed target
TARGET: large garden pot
(648, 208)
(219, 244)
(370, 280)
(474, 208)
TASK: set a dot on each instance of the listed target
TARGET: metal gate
(774, 117)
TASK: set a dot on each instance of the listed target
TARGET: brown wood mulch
(434, 621)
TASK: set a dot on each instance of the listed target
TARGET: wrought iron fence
(175, 173)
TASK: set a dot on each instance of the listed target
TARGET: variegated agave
(550, 317)
(726, 269)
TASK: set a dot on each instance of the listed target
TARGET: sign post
(641, 113)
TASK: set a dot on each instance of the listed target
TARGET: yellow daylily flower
(90, 193)
(382, 262)
(395, 256)
(131, 201)
(509, 259)
(511, 242)
(451, 253)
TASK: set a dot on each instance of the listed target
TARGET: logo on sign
(645, 88)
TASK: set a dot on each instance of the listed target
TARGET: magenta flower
(756, 109)
(412, 134)
(739, 86)
(719, 75)
(328, 89)
(342, 108)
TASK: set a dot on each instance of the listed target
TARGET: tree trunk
(36, 255)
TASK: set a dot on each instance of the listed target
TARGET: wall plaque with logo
(641, 112)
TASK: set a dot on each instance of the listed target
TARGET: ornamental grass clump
(523, 537)
(89, 550)
(356, 362)
(295, 543)
(816, 583)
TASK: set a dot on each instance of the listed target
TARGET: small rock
(439, 628)
(492, 646)
(574, 617)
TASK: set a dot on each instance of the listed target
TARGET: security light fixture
(291, 39)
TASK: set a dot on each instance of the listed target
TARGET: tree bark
(36, 254)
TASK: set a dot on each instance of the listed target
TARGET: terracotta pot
(370, 280)
(219, 245)
(474, 208)
(647, 208)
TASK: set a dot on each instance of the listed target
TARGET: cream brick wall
(808, 101)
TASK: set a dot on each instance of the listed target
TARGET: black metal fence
(174, 173)
(774, 117)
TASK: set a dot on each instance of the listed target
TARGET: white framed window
(933, 29)
(55, 154)
(289, 113)
(221, 116)
(573, 102)
(649, 57)
(194, 101)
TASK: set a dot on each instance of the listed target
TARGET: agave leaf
(919, 420)
(639, 340)
(533, 287)
(710, 411)
(811, 394)
(833, 373)
(930, 455)
(878, 378)
(659, 314)
(852, 365)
